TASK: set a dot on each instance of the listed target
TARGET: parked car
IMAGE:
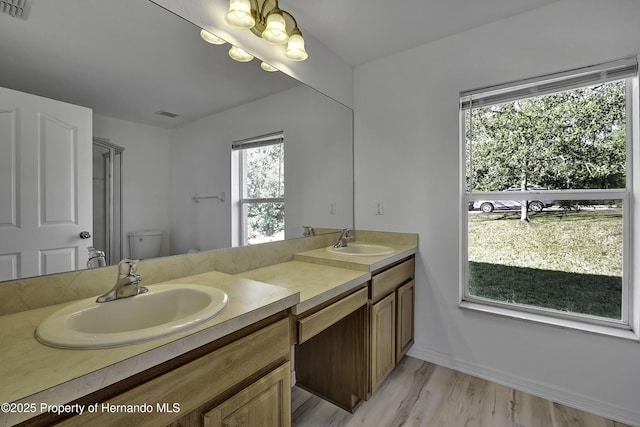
(488, 206)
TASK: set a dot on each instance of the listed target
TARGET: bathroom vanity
(202, 366)
(339, 323)
(388, 316)
(329, 327)
(255, 385)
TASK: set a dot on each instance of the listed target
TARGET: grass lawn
(564, 261)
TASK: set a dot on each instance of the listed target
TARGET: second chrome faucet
(345, 237)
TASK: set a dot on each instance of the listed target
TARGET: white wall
(145, 174)
(406, 125)
(318, 163)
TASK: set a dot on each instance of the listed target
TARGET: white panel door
(45, 185)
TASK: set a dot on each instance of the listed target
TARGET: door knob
(85, 235)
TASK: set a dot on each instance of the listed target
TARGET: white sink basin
(362, 249)
(164, 310)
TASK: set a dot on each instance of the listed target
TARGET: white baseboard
(606, 410)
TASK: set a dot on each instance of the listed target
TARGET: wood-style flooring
(418, 393)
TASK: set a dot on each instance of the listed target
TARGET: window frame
(629, 325)
(240, 200)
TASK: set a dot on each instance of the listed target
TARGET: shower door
(107, 199)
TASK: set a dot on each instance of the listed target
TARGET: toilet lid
(145, 233)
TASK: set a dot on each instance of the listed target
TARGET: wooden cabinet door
(383, 340)
(265, 403)
(404, 326)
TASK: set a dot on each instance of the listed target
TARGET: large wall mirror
(165, 109)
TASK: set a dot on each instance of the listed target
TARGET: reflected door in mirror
(45, 185)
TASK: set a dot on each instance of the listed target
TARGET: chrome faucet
(345, 236)
(96, 259)
(128, 283)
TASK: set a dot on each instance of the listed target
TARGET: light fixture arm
(260, 9)
(263, 13)
(295, 23)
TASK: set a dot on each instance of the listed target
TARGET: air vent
(166, 114)
(14, 8)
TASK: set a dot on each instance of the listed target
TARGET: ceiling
(129, 58)
(360, 31)
(125, 59)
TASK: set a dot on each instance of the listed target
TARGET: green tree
(265, 180)
(567, 140)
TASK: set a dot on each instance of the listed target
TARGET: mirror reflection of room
(156, 142)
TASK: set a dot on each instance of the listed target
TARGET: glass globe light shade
(275, 31)
(268, 67)
(295, 49)
(239, 54)
(239, 14)
(211, 38)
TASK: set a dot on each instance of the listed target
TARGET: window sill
(611, 331)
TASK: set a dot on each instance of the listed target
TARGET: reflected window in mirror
(166, 160)
(258, 189)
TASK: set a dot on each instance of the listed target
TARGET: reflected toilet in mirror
(169, 157)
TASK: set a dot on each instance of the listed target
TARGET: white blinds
(259, 141)
(543, 85)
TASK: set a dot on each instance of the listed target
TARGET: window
(548, 195)
(259, 189)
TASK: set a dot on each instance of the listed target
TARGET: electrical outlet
(379, 208)
(332, 208)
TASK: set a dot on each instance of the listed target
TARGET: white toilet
(145, 244)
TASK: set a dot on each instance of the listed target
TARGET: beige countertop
(35, 373)
(316, 283)
(320, 275)
(360, 263)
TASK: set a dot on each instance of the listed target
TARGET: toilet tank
(145, 244)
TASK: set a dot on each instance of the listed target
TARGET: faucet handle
(130, 265)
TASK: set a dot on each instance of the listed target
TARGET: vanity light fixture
(295, 48)
(268, 67)
(239, 55)
(239, 14)
(211, 38)
(265, 19)
(235, 52)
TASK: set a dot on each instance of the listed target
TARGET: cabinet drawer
(384, 283)
(197, 382)
(321, 320)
